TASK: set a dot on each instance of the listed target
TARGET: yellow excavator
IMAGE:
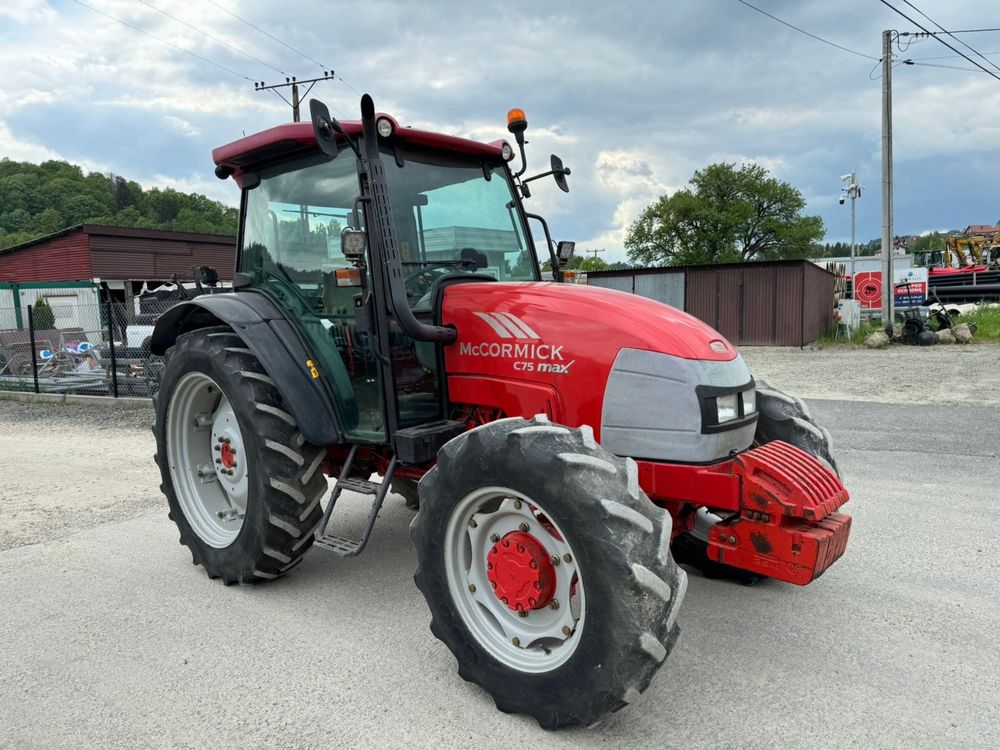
(961, 251)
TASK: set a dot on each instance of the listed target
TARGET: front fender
(273, 340)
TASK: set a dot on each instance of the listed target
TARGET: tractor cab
(361, 266)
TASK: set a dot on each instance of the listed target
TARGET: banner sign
(911, 288)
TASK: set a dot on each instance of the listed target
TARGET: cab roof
(297, 138)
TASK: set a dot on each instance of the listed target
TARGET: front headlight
(749, 401)
(728, 407)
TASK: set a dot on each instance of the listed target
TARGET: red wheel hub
(228, 456)
(520, 571)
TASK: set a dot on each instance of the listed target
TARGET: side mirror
(352, 243)
(559, 173)
(564, 252)
(326, 138)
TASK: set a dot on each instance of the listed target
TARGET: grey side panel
(271, 338)
(651, 409)
(621, 283)
(663, 287)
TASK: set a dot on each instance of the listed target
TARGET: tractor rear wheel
(546, 569)
(243, 485)
(781, 417)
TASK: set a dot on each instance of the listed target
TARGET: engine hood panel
(566, 336)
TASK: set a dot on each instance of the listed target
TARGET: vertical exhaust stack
(382, 236)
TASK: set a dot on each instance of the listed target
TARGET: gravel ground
(112, 639)
(899, 374)
(69, 467)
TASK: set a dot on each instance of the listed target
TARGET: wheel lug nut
(472, 588)
(554, 604)
(523, 527)
(221, 440)
(555, 559)
(472, 523)
(517, 505)
(226, 440)
(494, 538)
(516, 641)
(217, 447)
(522, 613)
(566, 630)
(568, 557)
(218, 460)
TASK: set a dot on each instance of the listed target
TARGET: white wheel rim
(543, 643)
(205, 444)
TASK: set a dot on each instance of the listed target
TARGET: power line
(237, 50)
(942, 28)
(954, 31)
(297, 51)
(947, 67)
(163, 41)
(269, 35)
(922, 28)
(809, 34)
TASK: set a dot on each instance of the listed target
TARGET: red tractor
(564, 443)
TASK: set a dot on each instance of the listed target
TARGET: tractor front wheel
(243, 485)
(547, 570)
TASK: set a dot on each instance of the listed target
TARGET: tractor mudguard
(269, 335)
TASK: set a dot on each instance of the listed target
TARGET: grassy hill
(38, 199)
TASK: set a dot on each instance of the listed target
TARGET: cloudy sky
(633, 95)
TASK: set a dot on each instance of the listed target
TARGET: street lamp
(851, 190)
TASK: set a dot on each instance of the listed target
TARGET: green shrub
(42, 315)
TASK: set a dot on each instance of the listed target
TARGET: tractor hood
(581, 322)
(641, 373)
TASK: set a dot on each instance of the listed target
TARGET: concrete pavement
(111, 638)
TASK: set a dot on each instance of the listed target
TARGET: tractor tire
(217, 411)
(781, 417)
(786, 417)
(596, 644)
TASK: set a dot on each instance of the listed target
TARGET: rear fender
(270, 336)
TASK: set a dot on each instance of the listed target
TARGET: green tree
(38, 199)
(727, 215)
(931, 241)
(42, 316)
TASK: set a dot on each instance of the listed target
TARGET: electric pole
(593, 253)
(888, 288)
(293, 83)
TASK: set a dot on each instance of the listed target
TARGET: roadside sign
(868, 288)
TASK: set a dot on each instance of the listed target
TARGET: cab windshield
(453, 214)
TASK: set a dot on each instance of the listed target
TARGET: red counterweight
(787, 528)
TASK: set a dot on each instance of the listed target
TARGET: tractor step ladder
(343, 546)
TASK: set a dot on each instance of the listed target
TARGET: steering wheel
(420, 282)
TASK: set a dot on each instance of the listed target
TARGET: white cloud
(633, 96)
(26, 11)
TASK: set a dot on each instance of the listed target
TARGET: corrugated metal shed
(62, 258)
(783, 303)
(91, 251)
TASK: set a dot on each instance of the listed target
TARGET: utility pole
(593, 253)
(293, 83)
(853, 191)
(888, 288)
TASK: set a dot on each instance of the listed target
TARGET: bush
(42, 316)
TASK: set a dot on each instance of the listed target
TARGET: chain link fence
(93, 349)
